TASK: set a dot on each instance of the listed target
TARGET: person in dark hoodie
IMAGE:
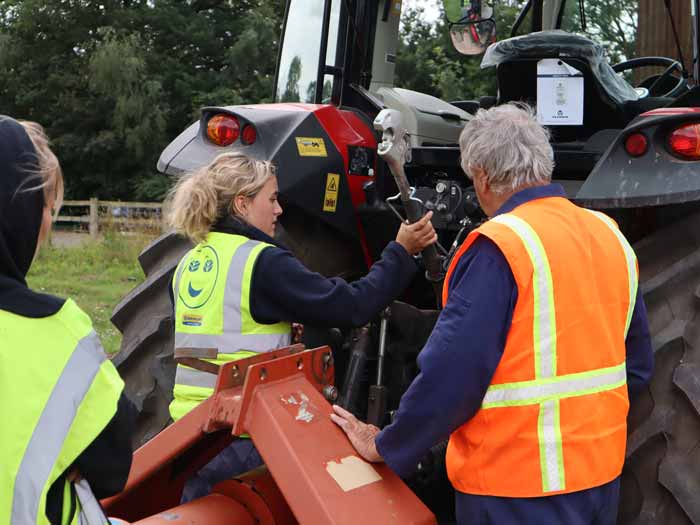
(66, 426)
(237, 292)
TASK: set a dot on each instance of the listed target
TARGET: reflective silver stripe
(231, 340)
(234, 289)
(551, 447)
(630, 258)
(52, 428)
(91, 512)
(544, 321)
(190, 377)
(178, 276)
(558, 387)
(233, 343)
(545, 350)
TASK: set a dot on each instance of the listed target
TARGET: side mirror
(473, 37)
(472, 27)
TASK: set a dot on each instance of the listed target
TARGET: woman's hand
(361, 435)
(297, 332)
(417, 236)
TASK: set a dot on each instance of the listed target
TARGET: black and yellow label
(330, 199)
(311, 147)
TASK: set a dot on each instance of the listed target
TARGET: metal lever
(378, 393)
(394, 149)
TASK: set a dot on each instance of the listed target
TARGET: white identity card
(559, 93)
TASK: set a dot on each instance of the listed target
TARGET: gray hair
(510, 146)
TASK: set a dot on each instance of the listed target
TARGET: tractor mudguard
(656, 177)
(281, 131)
(323, 157)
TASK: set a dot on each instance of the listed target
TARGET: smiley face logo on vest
(199, 278)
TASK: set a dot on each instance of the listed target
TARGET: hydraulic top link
(395, 150)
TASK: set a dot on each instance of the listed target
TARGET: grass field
(95, 274)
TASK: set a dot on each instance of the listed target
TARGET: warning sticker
(311, 147)
(330, 199)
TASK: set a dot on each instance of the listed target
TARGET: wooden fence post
(164, 217)
(94, 217)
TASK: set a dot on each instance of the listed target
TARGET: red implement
(312, 474)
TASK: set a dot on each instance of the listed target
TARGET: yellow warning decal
(397, 7)
(311, 147)
(330, 200)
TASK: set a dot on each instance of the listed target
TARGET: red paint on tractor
(345, 129)
(670, 111)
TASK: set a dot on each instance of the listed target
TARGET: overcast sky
(432, 11)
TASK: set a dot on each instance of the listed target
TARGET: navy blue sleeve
(285, 290)
(640, 356)
(458, 360)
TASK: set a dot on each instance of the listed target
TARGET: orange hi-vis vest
(553, 419)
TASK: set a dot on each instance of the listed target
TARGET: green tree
(114, 81)
(291, 90)
(427, 61)
(611, 24)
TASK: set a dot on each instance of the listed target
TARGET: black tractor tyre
(145, 319)
(661, 478)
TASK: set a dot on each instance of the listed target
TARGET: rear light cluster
(224, 129)
(685, 141)
(636, 144)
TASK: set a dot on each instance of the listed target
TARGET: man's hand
(417, 236)
(360, 434)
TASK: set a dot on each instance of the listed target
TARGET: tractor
(632, 151)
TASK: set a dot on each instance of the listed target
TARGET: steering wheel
(658, 81)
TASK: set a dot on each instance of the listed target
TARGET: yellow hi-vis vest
(59, 392)
(212, 311)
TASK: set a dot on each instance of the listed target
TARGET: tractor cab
(582, 99)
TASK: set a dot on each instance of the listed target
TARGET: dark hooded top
(20, 221)
(105, 463)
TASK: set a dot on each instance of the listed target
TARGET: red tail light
(636, 144)
(685, 141)
(249, 134)
(223, 129)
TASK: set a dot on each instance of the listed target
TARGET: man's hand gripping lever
(394, 149)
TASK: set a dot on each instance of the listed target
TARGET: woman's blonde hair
(49, 169)
(204, 196)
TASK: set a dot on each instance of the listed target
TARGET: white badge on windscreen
(559, 93)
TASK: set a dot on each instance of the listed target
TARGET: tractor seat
(607, 97)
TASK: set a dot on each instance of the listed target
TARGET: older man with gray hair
(542, 339)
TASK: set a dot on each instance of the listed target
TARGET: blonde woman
(65, 423)
(237, 292)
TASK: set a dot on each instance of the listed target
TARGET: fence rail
(131, 215)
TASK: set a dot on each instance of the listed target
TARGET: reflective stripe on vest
(547, 388)
(56, 418)
(223, 322)
(630, 257)
(232, 340)
(89, 510)
(187, 376)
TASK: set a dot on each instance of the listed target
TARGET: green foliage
(96, 275)
(427, 61)
(114, 81)
(613, 24)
